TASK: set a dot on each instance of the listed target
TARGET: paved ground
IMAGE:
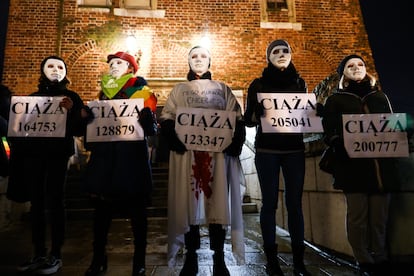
(15, 247)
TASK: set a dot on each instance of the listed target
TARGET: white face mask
(355, 69)
(118, 67)
(199, 60)
(54, 69)
(280, 57)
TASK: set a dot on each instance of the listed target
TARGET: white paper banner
(36, 116)
(205, 129)
(115, 120)
(375, 135)
(289, 112)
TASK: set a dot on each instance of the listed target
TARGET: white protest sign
(289, 113)
(36, 116)
(375, 135)
(115, 120)
(205, 129)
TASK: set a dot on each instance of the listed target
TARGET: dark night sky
(388, 28)
(4, 12)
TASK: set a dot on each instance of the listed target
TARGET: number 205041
(290, 122)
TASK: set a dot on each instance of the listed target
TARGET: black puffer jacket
(274, 81)
(365, 175)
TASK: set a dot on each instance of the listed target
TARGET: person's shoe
(190, 267)
(219, 266)
(139, 271)
(98, 265)
(273, 269)
(300, 270)
(51, 266)
(366, 269)
(32, 264)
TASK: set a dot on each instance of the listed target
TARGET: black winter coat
(363, 175)
(274, 81)
(24, 151)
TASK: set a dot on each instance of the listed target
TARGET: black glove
(236, 146)
(320, 109)
(148, 121)
(168, 131)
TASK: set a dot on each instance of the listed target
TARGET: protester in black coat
(118, 175)
(364, 181)
(38, 167)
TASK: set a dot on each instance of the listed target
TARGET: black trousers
(132, 208)
(47, 178)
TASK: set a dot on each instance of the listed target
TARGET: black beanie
(341, 65)
(274, 43)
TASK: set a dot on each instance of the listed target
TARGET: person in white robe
(205, 187)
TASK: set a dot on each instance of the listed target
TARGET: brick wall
(84, 37)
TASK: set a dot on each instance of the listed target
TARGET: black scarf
(274, 77)
(52, 87)
(193, 76)
(361, 88)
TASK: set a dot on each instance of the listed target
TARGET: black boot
(138, 264)
(217, 237)
(139, 228)
(219, 266)
(99, 264)
(272, 266)
(101, 223)
(192, 243)
(299, 268)
(138, 271)
(366, 269)
(190, 267)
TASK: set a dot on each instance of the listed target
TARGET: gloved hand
(236, 146)
(148, 121)
(168, 131)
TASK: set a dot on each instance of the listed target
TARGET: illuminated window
(276, 5)
(139, 4)
(126, 4)
(95, 3)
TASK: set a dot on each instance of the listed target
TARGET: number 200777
(378, 146)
